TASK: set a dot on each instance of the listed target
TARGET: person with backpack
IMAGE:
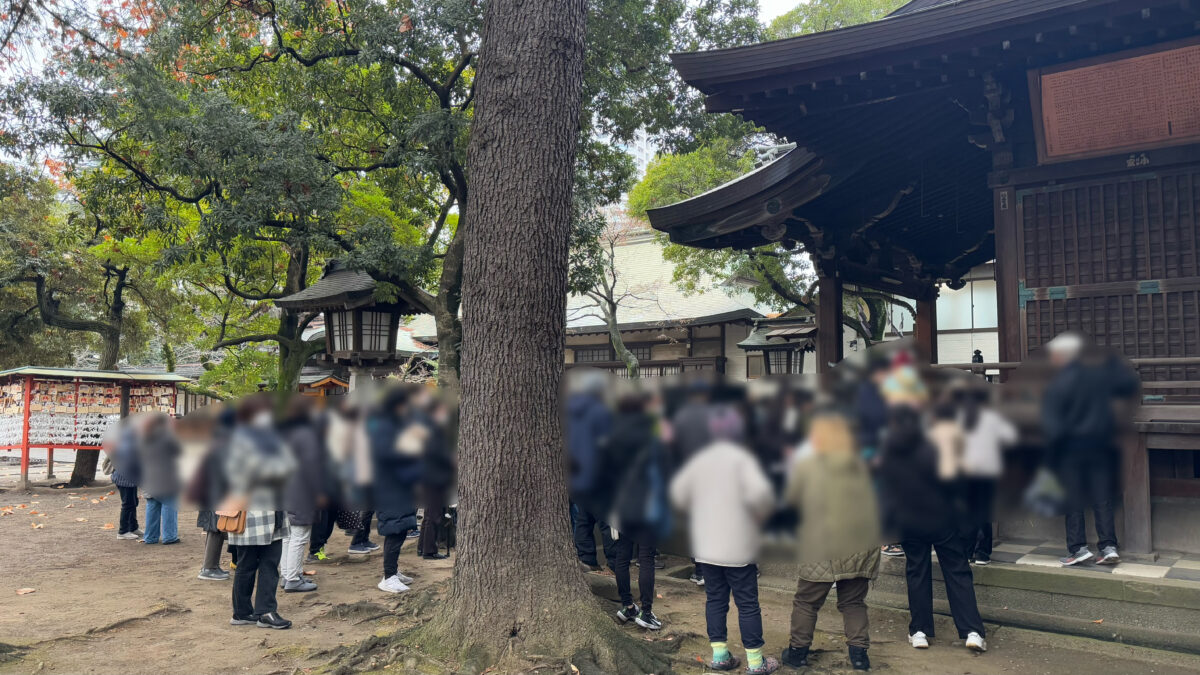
(639, 510)
(727, 496)
(588, 426)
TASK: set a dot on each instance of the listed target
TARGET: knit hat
(904, 387)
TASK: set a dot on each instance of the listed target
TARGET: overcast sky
(769, 9)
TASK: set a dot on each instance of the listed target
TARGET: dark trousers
(391, 553)
(1088, 476)
(364, 535)
(956, 571)
(977, 536)
(322, 530)
(742, 581)
(851, 602)
(256, 564)
(583, 526)
(213, 542)
(431, 522)
(129, 504)
(644, 539)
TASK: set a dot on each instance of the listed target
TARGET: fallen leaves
(26, 591)
(36, 526)
(95, 501)
(33, 513)
(110, 492)
(1098, 621)
(109, 526)
(81, 520)
(70, 506)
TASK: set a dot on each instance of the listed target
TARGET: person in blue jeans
(159, 455)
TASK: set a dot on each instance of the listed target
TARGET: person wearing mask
(437, 478)
(159, 458)
(925, 514)
(121, 448)
(1077, 422)
(639, 507)
(588, 426)
(689, 434)
(397, 444)
(727, 497)
(305, 494)
(986, 434)
(258, 466)
(210, 490)
(838, 539)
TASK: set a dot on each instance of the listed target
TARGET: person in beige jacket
(727, 497)
(838, 538)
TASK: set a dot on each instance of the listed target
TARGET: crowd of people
(890, 463)
(884, 463)
(272, 483)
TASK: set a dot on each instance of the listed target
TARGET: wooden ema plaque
(1118, 103)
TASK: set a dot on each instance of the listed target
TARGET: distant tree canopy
(816, 16)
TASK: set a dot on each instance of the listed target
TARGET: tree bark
(516, 587)
(445, 315)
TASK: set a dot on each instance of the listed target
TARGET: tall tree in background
(816, 16)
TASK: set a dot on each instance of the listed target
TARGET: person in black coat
(1079, 429)
(924, 512)
(438, 474)
(397, 445)
(210, 489)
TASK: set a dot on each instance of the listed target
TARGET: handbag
(348, 520)
(233, 522)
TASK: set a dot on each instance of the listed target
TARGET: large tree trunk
(516, 589)
(447, 303)
(86, 461)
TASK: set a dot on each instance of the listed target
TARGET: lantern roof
(339, 288)
(781, 333)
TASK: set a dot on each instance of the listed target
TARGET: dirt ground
(103, 605)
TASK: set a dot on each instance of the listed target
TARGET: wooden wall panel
(1118, 259)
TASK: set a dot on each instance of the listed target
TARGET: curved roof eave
(746, 200)
(937, 23)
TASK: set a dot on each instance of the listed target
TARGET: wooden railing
(659, 368)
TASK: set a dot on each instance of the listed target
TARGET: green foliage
(674, 178)
(816, 16)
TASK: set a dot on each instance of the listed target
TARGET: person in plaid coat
(258, 465)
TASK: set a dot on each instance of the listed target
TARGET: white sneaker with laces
(392, 585)
(919, 641)
(1109, 556)
(404, 578)
(975, 642)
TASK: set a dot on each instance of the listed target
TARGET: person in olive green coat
(838, 538)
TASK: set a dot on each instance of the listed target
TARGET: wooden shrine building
(1060, 138)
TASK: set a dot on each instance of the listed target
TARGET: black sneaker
(435, 556)
(243, 620)
(696, 579)
(858, 658)
(371, 546)
(273, 620)
(647, 620)
(795, 657)
(627, 614)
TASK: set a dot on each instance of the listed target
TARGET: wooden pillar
(926, 329)
(829, 321)
(1135, 471)
(23, 483)
(1008, 285)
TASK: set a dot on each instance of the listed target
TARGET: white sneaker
(129, 536)
(404, 578)
(392, 585)
(975, 642)
(919, 641)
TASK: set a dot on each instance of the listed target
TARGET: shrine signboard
(1130, 101)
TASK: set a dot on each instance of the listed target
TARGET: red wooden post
(926, 328)
(24, 482)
